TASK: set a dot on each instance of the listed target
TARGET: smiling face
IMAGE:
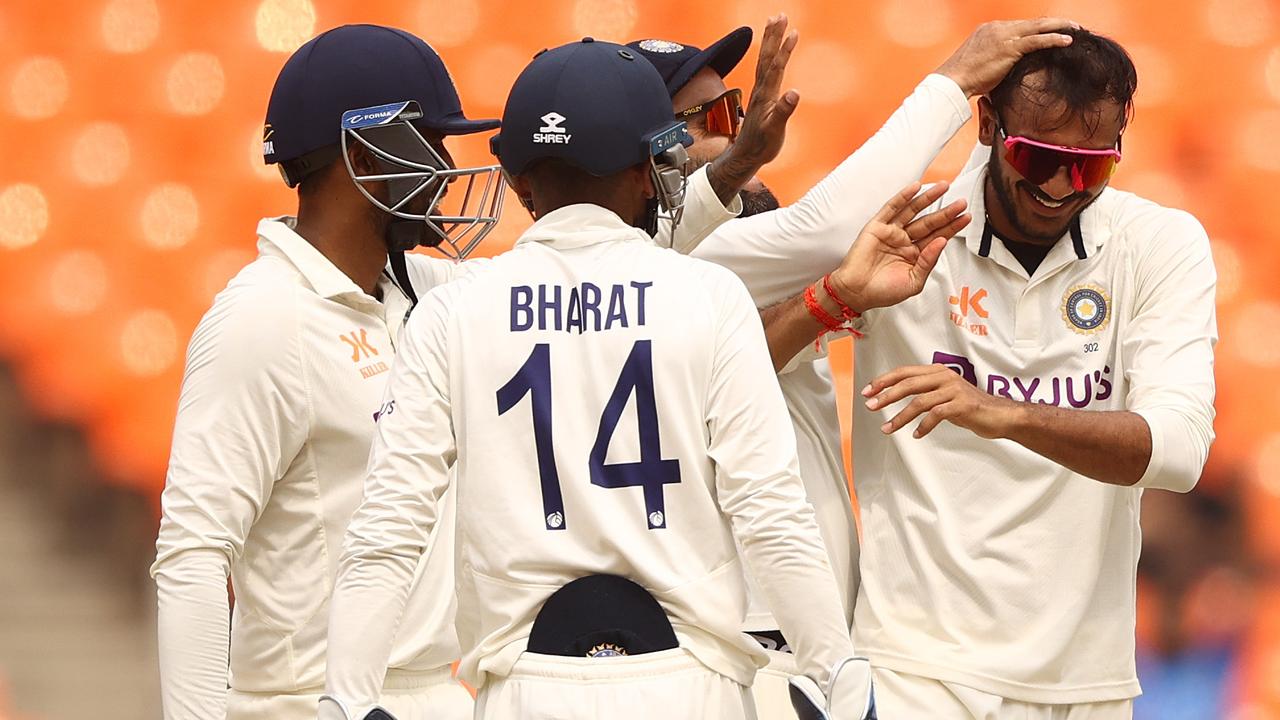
(1018, 209)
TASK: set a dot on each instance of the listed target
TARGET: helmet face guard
(417, 177)
(669, 165)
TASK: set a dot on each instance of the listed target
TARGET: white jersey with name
(777, 254)
(284, 375)
(984, 563)
(612, 409)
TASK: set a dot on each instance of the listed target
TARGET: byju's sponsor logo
(1077, 391)
(551, 131)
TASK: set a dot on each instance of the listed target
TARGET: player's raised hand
(765, 126)
(764, 129)
(986, 56)
(895, 252)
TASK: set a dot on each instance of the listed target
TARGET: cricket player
(1058, 363)
(286, 372)
(614, 420)
(773, 250)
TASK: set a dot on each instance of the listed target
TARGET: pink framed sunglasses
(1038, 162)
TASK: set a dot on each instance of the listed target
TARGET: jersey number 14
(650, 473)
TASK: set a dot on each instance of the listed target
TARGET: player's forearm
(193, 632)
(789, 326)
(364, 614)
(1109, 446)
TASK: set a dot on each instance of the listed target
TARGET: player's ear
(361, 159)
(523, 190)
(986, 121)
(645, 179)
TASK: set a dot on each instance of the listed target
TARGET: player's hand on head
(986, 56)
(893, 255)
(939, 393)
(764, 128)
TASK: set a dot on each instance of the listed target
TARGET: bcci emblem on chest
(1086, 308)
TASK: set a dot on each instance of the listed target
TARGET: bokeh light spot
(100, 154)
(916, 23)
(1256, 339)
(1226, 260)
(824, 71)
(24, 215)
(1271, 74)
(130, 26)
(170, 216)
(1238, 23)
(284, 25)
(1266, 468)
(195, 83)
(446, 23)
(78, 282)
(1255, 140)
(148, 343)
(39, 88)
(1158, 85)
(610, 20)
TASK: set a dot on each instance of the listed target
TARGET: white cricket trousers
(666, 685)
(429, 695)
(771, 690)
(902, 696)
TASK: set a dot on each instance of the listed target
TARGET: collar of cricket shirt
(276, 236)
(1086, 235)
(580, 225)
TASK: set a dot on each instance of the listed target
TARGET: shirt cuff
(1166, 470)
(703, 212)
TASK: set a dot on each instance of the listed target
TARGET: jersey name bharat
(586, 307)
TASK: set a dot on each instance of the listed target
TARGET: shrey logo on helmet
(551, 132)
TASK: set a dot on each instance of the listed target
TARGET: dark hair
(1092, 69)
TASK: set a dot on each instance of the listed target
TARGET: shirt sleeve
(1168, 350)
(242, 418)
(408, 472)
(758, 486)
(703, 213)
(778, 253)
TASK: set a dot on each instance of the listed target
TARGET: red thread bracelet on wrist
(848, 312)
(819, 313)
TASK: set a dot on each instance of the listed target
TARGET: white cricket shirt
(275, 419)
(779, 253)
(610, 405)
(984, 563)
(276, 416)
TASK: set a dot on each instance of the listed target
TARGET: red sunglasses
(724, 113)
(1038, 162)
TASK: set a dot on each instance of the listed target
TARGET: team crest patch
(1086, 308)
(661, 46)
(606, 650)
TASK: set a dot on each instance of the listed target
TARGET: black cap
(678, 63)
(601, 615)
(358, 66)
(598, 106)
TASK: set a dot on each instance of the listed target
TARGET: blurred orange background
(133, 182)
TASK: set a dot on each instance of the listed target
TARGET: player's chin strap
(849, 696)
(402, 235)
(331, 708)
